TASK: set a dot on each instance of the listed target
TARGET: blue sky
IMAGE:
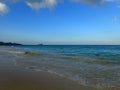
(60, 21)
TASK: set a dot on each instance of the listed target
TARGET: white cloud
(37, 4)
(95, 2)
(13, 1)
(3, 8)
(10, 0)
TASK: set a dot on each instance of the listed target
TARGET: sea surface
(90, 65)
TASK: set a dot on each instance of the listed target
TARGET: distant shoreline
(19, 44)
(9, 44)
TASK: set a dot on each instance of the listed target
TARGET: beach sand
(14, 77)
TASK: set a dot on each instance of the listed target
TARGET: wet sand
(14, 77)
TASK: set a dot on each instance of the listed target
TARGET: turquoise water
(76, 49)
(90, 65)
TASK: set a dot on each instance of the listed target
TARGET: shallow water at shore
(15, 76)
(96, 66)
(99, 71)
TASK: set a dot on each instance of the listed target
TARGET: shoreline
(14, 77)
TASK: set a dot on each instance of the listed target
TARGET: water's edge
(89, 70)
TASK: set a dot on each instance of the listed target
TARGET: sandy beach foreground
(13, 77)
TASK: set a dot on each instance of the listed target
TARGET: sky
(60, 21)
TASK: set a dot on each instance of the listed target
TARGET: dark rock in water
(97, 54)
(32, 67)
(33, 53)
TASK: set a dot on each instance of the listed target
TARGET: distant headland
(14, 44)
(40, 44)
(9, 44)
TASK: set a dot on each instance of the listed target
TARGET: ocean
(90, 65)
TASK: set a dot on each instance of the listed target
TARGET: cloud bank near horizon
(38, 4)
